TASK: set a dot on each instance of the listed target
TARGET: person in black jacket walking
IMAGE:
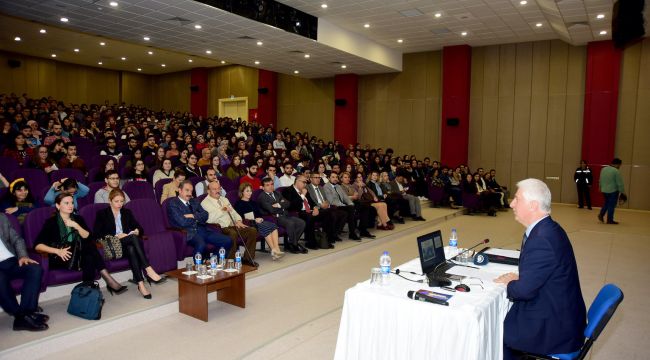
(583, 179)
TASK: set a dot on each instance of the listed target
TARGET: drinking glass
(188, 265)
(202, 270)
(230, 264)
(375, 276)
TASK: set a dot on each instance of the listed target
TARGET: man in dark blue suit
(186, 213)
(548, 312)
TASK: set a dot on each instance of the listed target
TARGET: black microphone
(415, 295)
(473, 247)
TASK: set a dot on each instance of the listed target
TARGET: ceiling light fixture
(324, 6)
(150, 52)
(603, 32)
(344, 66)
(223, 61)
(123, 58)
(600, 16)
(113, 3)
(102, 44)
(76, 50)
(400, 41)
(100, 63)
(297, 23)
(53, 55)
(64, 19)
(307, 56)
(139, 69)
(538, 24)
(190, 60)
(523, 2)
(209, 52)
(17, 38)
(257, 62)
(437, 15)
(464, 33)
(366, 26)
(198, 27)
(163, 65)
(43, 31)
(146, 38)
(296, 72)
(259, 43)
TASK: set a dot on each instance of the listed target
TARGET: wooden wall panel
(237, 80)
(171, 92)
(137, 89)
(402, 110)
(307, 105)
(522, 97)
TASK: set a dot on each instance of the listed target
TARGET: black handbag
(321, 239)
(74, 263)
(86, 301)
(112, 247)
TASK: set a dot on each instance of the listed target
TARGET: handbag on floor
(86, 301)
(321, 239)
(112, 247)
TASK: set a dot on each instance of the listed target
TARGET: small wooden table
(193, 292)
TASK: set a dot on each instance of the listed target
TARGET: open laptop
(432, 256)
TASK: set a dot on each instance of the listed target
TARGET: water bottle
(237, 260)
(213, 262)
(384, 263)
(222, 257)
(197, 260)
(453, 243)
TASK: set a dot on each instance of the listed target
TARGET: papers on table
(503, 252)
(487, 274)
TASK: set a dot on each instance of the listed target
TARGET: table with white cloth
(380, 322)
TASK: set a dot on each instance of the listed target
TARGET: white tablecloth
(380, 322)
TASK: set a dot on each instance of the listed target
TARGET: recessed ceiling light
(146, 38)
(603, 32)
(600, 16)
(113, 3)
(296, 72)
(366, 26)
(76, 50)
(150, 52)
(259, 43)
(197, 26)
(53, 55)
(538, 24)
(123, 58)
(257, 62)
(344, 66)
(64, 19)
(324, 6)
(163, 65)
(17, 38)
(102, 44)
(139, 69)
(100, 63)
(297, 23)
(523, 2)
(42, 31)
(400, 41)
(190, 60)
(223, 61)
(464, 33)
(307, 56)
(437, 15)
(208, 52)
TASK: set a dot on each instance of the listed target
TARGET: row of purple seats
(17, 284)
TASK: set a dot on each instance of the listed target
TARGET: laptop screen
(432, 251)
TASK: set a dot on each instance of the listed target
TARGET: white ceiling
(486, 22)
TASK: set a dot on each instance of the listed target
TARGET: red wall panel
(345, 117)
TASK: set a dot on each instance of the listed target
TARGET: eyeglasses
(113, 178)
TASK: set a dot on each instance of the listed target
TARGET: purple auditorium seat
(471, 202)
(92, 173)
(139, 190)
(36, 178)
(232, 196)
(159, 186)
(256, 194)
(89, 213)
(8, 166)
(436, 194)
(226, 183)
(92, 189)
(195, 180)
(68, 174)
(17, 284)
(182, 249)
(159, 244)
(121, 164)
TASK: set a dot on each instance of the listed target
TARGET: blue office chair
(600, 311)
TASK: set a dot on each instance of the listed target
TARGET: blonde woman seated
(65, 234)
(360, 192)
(248, 209)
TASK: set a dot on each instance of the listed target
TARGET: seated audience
(363, 195)
(164, 172)
(19, 201)
(251, 177)
(57, 151)
(392, 203)
(57, 134)
(107, 164)
(235, 170)
(117, 221)
(68, 186)
(112, 180)
(71, 160)
(191, 168)
(272, 203)
(251, 212)
(41, 160)
(216, 166)
(66, 234)
(399, 186)
(336, 195)
(19, 150)
(287, 179)
(16, 264)
(172, 188)
(111, 148)
(139, 171)
(210, 176)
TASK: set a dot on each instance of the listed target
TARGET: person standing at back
(548, 314)
(584, 180)
(611, 185)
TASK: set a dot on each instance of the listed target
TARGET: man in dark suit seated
(15, 264)
(548, 312)
(308, 210)
(186, 213)
(338, 214)
(272, 203)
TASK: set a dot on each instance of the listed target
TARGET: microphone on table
(443, 281)
(416, 295)
(485, 241)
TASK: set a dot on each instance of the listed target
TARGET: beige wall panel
(638, 188)
(627, 101)
(103, 85)
(503, 144)
(539, 109)
(402, 134)
(306, 105)
(432, 128)
(31, 78)
(172, 92)
(434, 74)
(137, 89)
(476, 107)
(491, 78)
(46, 78)
(418, 129)
(413, 80)
(521, 114)
(237, 80)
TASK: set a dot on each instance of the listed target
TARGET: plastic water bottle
(222, 257)
(213, 262)
(453, 243)
(237, 260)
(384, 263)
(197, 260)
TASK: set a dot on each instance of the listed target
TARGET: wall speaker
(453, 121)
(340, 102)
(13, 63)
(263, 90)
(194, 88)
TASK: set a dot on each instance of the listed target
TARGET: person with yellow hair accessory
(19, 201)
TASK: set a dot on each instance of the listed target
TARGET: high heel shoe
(118, 291)
(275, 255)
(148, 296)
(150, 280)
